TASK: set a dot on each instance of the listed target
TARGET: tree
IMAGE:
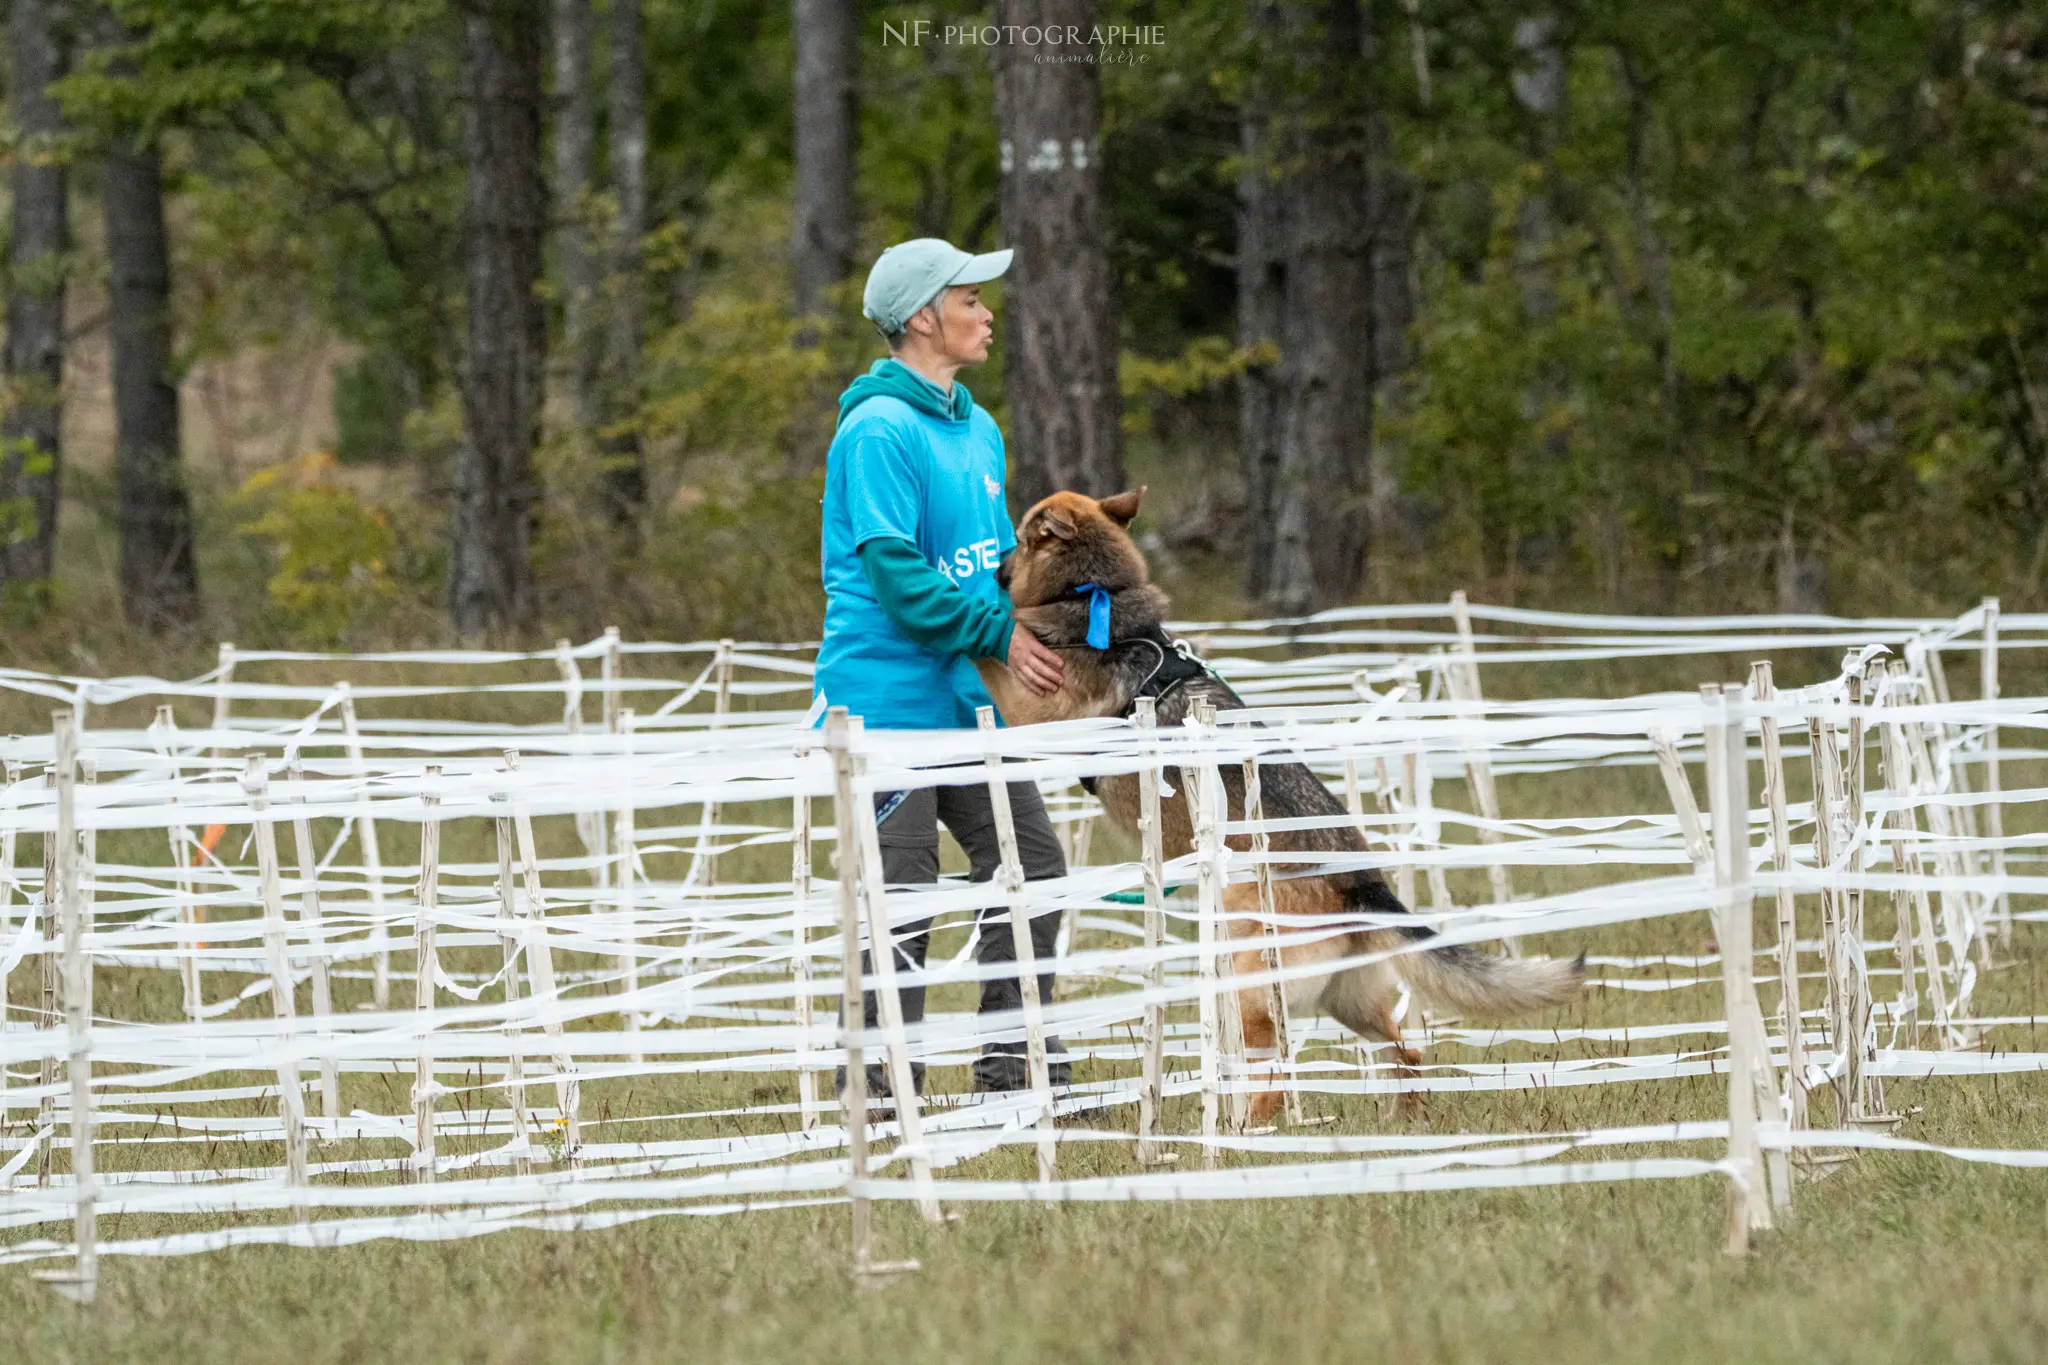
(1060, 331)
(503, 371)
(1305, 281)
(159, 578)
(31, 435)
(822, 230)
(624, 462)
(575, 138)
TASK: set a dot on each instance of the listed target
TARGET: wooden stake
(1208, 817)
(853, 1094)
(628, 960)
(540, 961)
(426, 964)
(721, 703)
(50, 930)
(508, 948)
(182, 844)
(590, 826)
(1994, 810)
(83, 1282)
(291, 1098)
(1728, 798)
(318, 952)
(1026, 952)
(7, 910)
(1463, 678)
(1790, 1012)
(1679, 788)
(1276, 1003)
(1151, 1092)
(1912, 905)
(800, 948)
(373, 859)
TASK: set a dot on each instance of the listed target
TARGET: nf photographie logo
(918, 32)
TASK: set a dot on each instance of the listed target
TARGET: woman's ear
(1122, 508)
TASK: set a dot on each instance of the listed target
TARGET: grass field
(1896, 1257)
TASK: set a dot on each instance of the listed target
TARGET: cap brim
(983, 268)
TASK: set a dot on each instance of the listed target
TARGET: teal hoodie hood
(891, 377)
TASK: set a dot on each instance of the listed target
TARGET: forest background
(362, 323)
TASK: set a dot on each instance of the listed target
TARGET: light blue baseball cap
(910, 275)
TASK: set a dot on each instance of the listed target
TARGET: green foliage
(331, 551)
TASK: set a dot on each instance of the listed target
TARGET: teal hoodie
(922, 602)
(895, 379)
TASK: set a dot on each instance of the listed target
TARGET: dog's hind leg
(1362, 1000)
(1261, 1038)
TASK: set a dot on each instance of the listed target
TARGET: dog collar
(1098, 614)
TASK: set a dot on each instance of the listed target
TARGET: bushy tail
(1463, 979)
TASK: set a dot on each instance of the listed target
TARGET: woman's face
(965, 326)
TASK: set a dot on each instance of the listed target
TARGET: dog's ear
(1122, 508)
(1052, 524)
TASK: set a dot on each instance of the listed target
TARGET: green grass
(1897, 1257)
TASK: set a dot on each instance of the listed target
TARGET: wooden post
(1463, 678)
(1870, 1099)
(1728, 798)
(590, 826)
(1827, 783)
(291, 1097)
(50, 930)
(1026, 952)
(87, 885)
(426, 964)
(1959, 925)
(7, 840)
(508, 947)
(182, 843)
(83, 1281)
(1208, 823)
(853, 1093)
(721, 703)
(882, 954)
(1790, 1013)
(317, 949)
(800, 947)
(1679, 788)
(373, 859)
(622, 820)
(540, 961)
(1151, 1090)
(1994, 810)
(1283, 1026)
(1909, 906)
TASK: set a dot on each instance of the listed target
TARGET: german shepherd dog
(1067, 546)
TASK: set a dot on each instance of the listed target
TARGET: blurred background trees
(360, 321)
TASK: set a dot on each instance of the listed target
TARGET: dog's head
(1070, 539)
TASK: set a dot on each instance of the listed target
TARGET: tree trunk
(624, 482)
(1392, 207)
(1060, 334)
(31, 449)
(159, 581)
(822, 229)
(504, 367)
(575, 136)
(1305, 220)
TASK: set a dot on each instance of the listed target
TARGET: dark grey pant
(909, 837)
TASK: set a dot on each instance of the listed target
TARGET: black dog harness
(1177, 665)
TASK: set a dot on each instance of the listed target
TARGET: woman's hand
(1032, 664)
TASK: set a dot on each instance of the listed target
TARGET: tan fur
(1069, 525)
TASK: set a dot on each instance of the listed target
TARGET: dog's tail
(1460, 978)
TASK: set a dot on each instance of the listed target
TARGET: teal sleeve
(926, 606)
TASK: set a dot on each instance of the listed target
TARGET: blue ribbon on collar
(1098, 614)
